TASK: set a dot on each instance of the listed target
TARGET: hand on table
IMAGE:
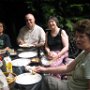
(30, 69)
(52, 55)
(39, 69)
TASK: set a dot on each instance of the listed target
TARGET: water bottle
(8, 62)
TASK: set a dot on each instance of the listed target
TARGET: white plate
(26, 45)
(13, 54)
(28, 78)
(21, 62)
(45, 62)
(28, 54)
(28, 68)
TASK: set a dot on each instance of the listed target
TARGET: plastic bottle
(9, 67)
(8, 63)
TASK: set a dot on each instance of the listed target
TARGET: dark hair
(55, 19)
(83, 26)
(3, 25)
(2, 22)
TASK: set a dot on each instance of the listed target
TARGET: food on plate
(10, 77)
(2, 51)
(33, 72)
(36, 60)
(26, 45)
(30, 69)
(11, 51)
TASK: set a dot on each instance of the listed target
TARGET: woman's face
(82, 41)
(52, 24)
(1, 27)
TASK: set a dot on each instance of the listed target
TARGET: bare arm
(46, 45)
(59, 69)
(20, 37)
(20, 41)
(7, 48)
(65, 42)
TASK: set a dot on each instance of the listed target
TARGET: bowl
(11, 77)
(35, 60)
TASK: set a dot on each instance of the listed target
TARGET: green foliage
(48, 10)
(67, 11)
(69, 24)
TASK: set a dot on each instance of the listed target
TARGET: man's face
(30, 21)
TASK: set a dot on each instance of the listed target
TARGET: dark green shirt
(4, 41)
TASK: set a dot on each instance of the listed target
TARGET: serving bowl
(11, 77)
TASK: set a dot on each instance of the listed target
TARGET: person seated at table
(57, 44)
(5, 43)
(80, 67)
(31, 33)
(3, 80)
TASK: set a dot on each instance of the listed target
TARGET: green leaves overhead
(68, 11)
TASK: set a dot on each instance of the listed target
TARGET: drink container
(7, 62)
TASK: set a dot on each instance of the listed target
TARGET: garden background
(67, 11)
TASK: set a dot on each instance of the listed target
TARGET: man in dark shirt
(4, 39)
